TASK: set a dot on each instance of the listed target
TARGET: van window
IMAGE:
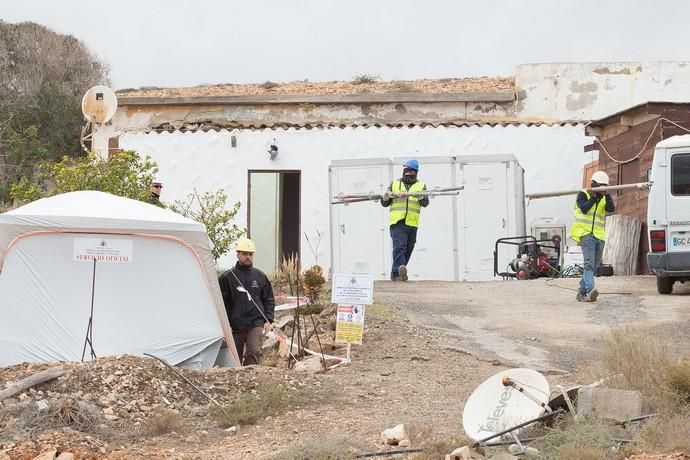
(680, 174)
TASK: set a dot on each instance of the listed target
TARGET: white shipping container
(457, 234)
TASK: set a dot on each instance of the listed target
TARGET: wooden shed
(625, 141)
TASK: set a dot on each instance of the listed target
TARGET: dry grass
(677, 377)
(666, 433)
(581, 439)
(638, 357)
(286, 278)
(329, 447)
(633, 359)
(434, 449)
(164, 421)
(269, 399)
(641, 361)
(25, 420)
(365, 78)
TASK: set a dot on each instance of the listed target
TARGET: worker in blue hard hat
(405, 209)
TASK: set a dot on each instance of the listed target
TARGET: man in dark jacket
(249, 303)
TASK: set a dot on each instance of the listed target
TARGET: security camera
(273, 151)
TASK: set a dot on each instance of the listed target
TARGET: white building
(219, 137)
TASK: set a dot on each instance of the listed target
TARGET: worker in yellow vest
(404, 216)
(589, 231)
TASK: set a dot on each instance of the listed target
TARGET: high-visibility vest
(405, 208)
(593, 222)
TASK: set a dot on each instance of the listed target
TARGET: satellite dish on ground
(504, 401)
(99, 104)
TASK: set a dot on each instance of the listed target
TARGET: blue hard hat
(412, 164)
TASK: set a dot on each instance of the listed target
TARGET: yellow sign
(349, 326)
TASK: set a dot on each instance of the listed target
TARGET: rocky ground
(412, 369)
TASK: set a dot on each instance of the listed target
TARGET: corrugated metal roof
(431, 86)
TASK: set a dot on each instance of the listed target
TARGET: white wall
(594, 90)
(552, 157)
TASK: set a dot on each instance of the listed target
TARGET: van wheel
(664, 285)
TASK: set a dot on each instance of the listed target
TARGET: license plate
(680, 240)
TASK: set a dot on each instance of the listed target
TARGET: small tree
(124, 174)
(209, 209)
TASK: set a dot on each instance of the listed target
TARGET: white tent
(89, 274)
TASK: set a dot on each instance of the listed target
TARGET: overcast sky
(187, 43)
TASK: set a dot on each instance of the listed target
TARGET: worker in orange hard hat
(589, 231)
(249, 302)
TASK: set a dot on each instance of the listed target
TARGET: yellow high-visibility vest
(593, 222)
(405, 208)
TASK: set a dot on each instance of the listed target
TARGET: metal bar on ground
(535, 196)
(523, 424)
(199, 390)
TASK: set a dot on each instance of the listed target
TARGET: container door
(435, 254)
(483, 217)
(358, 230)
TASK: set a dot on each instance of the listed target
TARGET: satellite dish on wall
(496, 406)
(99, 104)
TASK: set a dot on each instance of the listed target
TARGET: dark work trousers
(404, 237)
(252, 339)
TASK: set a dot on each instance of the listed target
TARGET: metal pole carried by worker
(405, 197)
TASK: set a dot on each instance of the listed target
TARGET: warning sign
(112, 250)
(349, 326)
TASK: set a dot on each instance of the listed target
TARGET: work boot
(403, 273)
(579, 296)
(395, 278)
(593, 294)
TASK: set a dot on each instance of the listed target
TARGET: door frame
(280, 223)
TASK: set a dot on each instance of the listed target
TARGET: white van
(668, 213)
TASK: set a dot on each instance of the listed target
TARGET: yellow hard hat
(245, 245)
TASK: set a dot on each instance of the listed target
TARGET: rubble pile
(110, 399)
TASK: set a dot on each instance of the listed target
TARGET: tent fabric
(164, 301)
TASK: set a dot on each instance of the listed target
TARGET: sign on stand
(349, 326)
(352, 293)
(352, 289)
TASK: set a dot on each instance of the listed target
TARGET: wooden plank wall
(628, 144)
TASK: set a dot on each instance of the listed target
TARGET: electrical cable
(644, 147)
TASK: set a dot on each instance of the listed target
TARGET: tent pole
(89, 329)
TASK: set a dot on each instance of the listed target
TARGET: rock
(609, 403)
(311, 364)
(42, 405)
(393, 436)
(464, 453)
(66, 456)
(231, 430)
(404, 443)
(192, 439)
(46, 455)
(111, 417)
(108, 411)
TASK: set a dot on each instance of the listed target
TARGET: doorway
(274, 216)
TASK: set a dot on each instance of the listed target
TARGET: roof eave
(365, 98)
